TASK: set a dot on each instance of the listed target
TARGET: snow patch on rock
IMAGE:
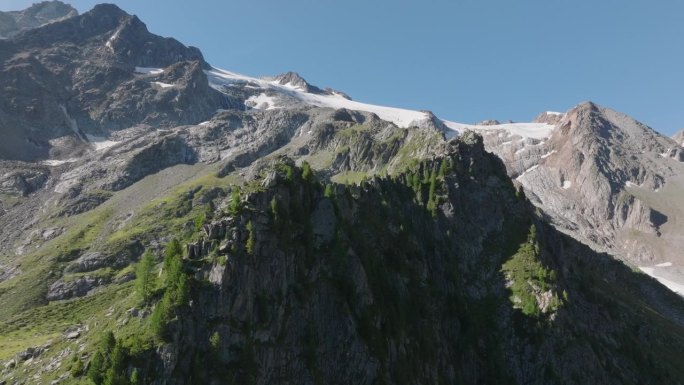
(525, 130)
(162, 85)
(261, 102)
(58, 162)
(220, 79)
(101, 143)
(110, 42)
(148, 70)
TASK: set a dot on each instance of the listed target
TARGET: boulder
(10, 364)
(72, 335)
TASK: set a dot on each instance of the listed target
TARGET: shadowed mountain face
(39, 14)
(229, 229)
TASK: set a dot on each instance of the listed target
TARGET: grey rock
(96, 260)
(78, 287)
(30, 353)
(8, 272)
(72, 335)
(10, 364)
(24, 182)
(214, 230)
(50, 233)
(82, 203)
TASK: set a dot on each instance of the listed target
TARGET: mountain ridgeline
(166, 222)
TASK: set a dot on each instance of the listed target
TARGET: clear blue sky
(466, 60)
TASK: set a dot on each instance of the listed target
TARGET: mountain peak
(109, 29)
(39, 14)
(587, 106)
(107, 9)
(48, 10)
(549, 117)
(292, 78)
(296, 81)
(606, 122)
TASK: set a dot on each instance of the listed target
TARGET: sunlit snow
(219, 79)
(56, 162)
(403, 118)
(526, 130)
(261, 102)
(674, 286)
(148, 70)
(113, 38)
(548, 154)
(100, 143)
(526, 171)
(163, 85)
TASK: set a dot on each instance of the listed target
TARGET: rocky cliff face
(372, 283)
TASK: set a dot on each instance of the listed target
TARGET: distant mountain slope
(76, 79)
(610, 181)
(39, 14)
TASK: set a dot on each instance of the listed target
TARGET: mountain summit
(39, 14)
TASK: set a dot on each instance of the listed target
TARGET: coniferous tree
(144, 283)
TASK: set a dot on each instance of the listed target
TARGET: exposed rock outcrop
(94, 260)
(76, 287)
